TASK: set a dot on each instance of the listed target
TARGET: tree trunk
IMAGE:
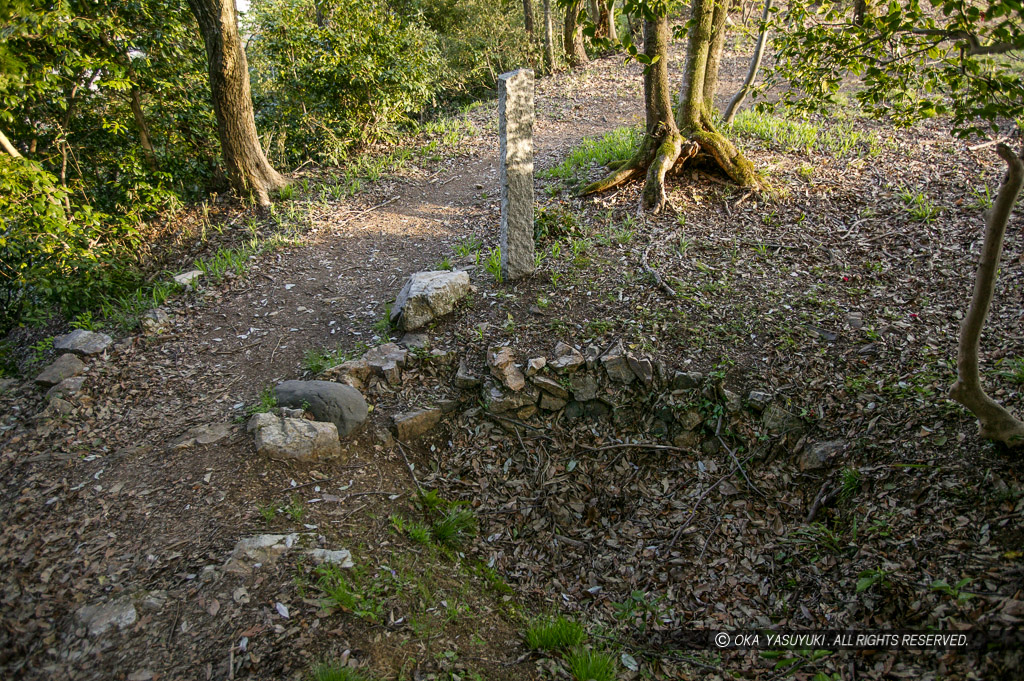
(6, 145)
(721, 14)
(862, 9)
(549, 38)
(662, 144)
(700, 76)
(140, 123)
(606, 24)
(248, 170)
(528, 16)
(755, 65)
(994, 422)
(572, 34)
(592, 11)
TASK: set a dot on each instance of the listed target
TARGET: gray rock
(616, 365)
(342, 557)
(778, 420)
(642, 368)
(498, 402)
(596, 409)
(574, 410)
(502, 364)
(688, 380)
(690, 419)
(101, 617)
(299, 439)
(258, 550)
(534, 366)
(82, 342)
(186, 278)
(591, 355)
(427, 296)
(551, 386)
(58, 407)
(567, 359)
(340, 404)
(550, 402)
(155, 320)
(153, 601)
(584, 387)
(464, 378)
(414, 341)
(515, 172)
(733, 402)
(759, 400)
(66, 366)
(414, 424)
(687, 439)
(386, 361)
(820, 455)
(207, 434)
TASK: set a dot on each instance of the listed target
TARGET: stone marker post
(515, 129)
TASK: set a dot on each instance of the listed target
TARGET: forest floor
(838, 296)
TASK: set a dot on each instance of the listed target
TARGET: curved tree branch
(995, 422)
(755, 64)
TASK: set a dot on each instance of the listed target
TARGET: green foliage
(591, 665)
(618, 145)
(553, 633)
(918, 206)
(791, 134)
(915, 59)
(349, 594)
(264, 403)
(454, 527)
(493, 264)
(554, 223)
(330, 75)
(295, 508)
(332, 671)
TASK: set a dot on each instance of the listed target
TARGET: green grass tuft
(591, 665)
(556, 633)
(332, 671)
(454, 527)
(618, 145)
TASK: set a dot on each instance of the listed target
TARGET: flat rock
(820, 455)
(551, 403)
(733, 402)
(286, 438)
(616, 365)
(567, 359)
(259, 549)
(690, 419)
(414, 424)
(65, 366)
(759, 400)
(66, 388)
(387, 360)
(551, 386)
(206, 434)
(101, 617)
(498, 402)
(427, 296)
(502, 364)
(186, 278)
(341, 557)
(414, 341)
(82, 342)
(354, 373)
(778, 420)
(336, 403)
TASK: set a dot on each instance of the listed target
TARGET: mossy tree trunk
(528, 16)
(572, 34)
(662, 144)
(696, 97)
(248, 170)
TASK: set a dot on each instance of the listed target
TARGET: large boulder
(82, 342)
(427, 296)
(286, 438)
(340, 404)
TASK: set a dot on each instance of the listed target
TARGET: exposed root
(654, 197)
(624, 174)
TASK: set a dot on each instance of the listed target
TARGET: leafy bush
(331, 75)
(52, 251)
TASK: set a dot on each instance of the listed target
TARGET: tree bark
(606, 24)
(755, 65)
(528, 16)
(662, 145)
(572, 34)
(694, 117)
(994, 422)
(549, 38)
(248, 170)
(719, 17)
(140, 122)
